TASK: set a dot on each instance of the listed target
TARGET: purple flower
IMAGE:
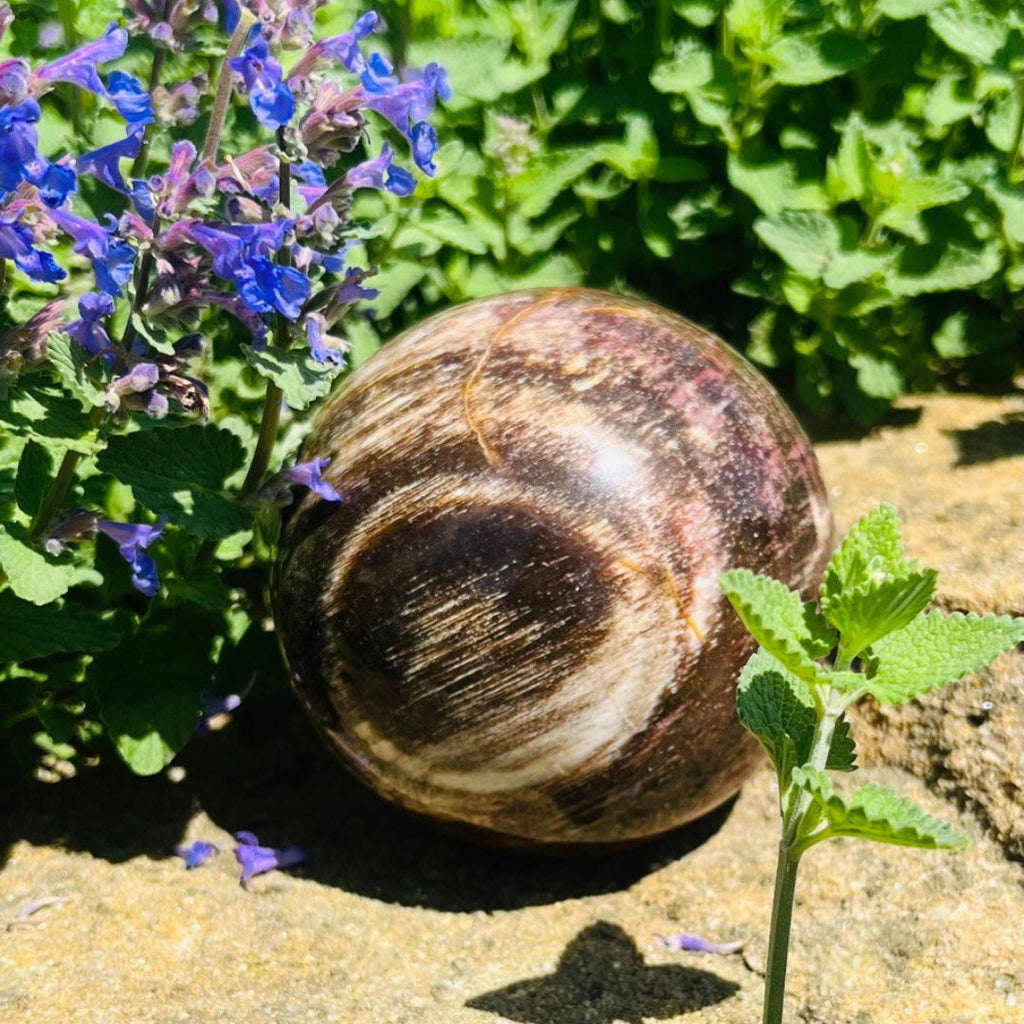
(20, 159)
(196, 854)
(88, 331)
(269, 97)
(256, 859)
(342, 48)
(377, 77)
(381, 172)
(142, 377)
(103, 163)
(277, 490)
(13, 81)
(16, 244)
(695, 944)
(265, 286)
(27, 342)
(423, 137)
(112, 261)
(414, 100)
(129, 95)
(317, 336)
(173, 23)
(132, 540)
(80, 67)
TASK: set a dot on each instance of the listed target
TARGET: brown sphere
(512, 623)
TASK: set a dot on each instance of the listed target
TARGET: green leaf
(777, 707)
(181, 473)
(300, 377)
(870, 552)
(877, 376)
(900, 10)
(849, 172)
(866, 613)
(756, 22)
(636, 157)
(546, 177)
(967, 28)
(966, 333)
(877, 813)
(774, 186)
(790, 630)
(949, 101)
(689, 68)
(71, 362)
(36, 578)
(936, 649)
(35, 469)
(50, 416)
(28, 631)
(807, 58)
(821, 247)
(943, 266)
(150, 687)
(394, 283)
(913, 195)
(698, 12)
(1002, 125)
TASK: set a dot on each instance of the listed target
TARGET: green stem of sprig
(211, 143)
(54, 495)
(791, 847)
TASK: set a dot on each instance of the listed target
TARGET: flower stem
(141, 158)
(54, 495)
(223, 97)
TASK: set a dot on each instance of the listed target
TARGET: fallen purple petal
(196, 853)
(695, 944)
(257, 860)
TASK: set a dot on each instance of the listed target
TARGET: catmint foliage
(869, 633)
(181, 275)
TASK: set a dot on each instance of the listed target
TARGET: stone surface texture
(393, 923)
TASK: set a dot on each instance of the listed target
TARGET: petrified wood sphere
(512, 623)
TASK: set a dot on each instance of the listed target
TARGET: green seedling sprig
(869, 633)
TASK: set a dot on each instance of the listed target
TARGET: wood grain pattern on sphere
(512, 623)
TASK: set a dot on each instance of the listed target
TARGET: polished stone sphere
(511, 624)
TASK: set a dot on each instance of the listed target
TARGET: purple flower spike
(111, 261)
(196, 854)
(257, 860)
(132, 539)
(103, 163)
(695, 944)
(269, 97)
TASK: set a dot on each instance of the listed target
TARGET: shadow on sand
(602, 978)
(267, 772)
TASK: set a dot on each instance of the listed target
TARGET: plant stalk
(54, 495)
(142, 157)
(223, 96)
(778, 939)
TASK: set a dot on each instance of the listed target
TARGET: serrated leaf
(35, 469)
(877, 813)
(774, 185)
(71, 362)
(777, 707)
(181, 473)
(936, 649)
(300, 377)
(870, 552)
(790, 630)
(36, 578)
(29, 631)
(150, 688)
(866, 613)
(806, 58)
(547, 176)
(968, 28)
(943, 266)
(689, 68)
(50, 416)
(899, 10)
